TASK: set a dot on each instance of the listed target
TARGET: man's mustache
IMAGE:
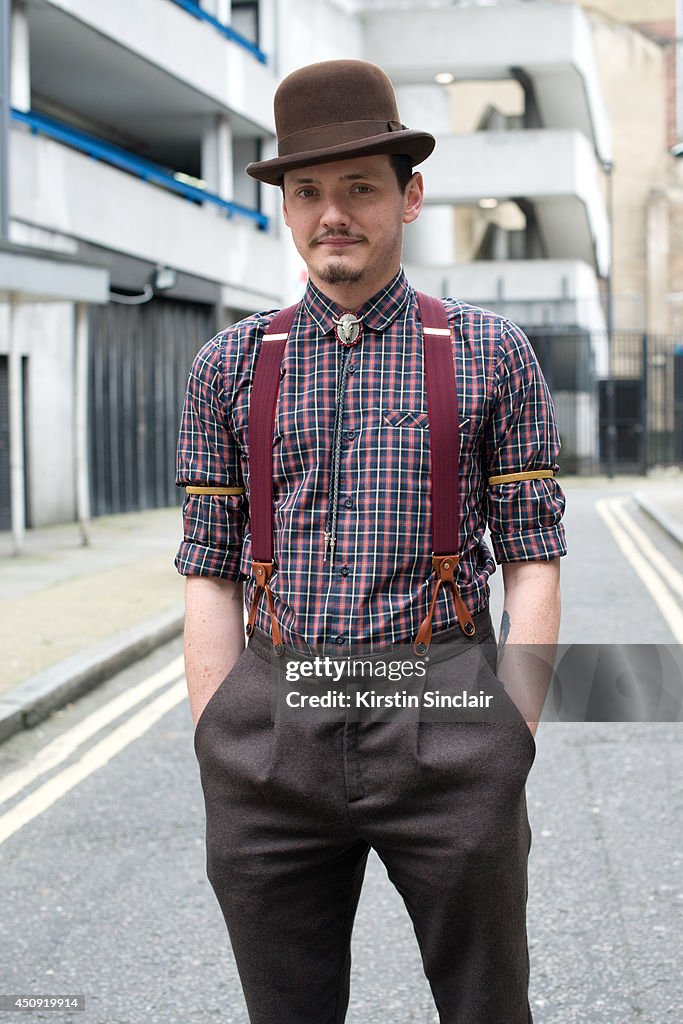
(336, 234)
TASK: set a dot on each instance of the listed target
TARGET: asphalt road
(102, 861)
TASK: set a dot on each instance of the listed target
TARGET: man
(294, 805)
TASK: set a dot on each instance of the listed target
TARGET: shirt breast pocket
(403, 445)
(415, 420)
(406, 418)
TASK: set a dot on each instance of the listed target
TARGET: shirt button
(283, 371)
(344, 570)
(349, 502)
(352, 367)
(350, 434)
(340, 639)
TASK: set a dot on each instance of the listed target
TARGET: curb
(32, 701)
(673, 529)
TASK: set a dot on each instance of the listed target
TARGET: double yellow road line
(661, 580)
(170, 679)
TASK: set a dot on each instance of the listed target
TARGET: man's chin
(340, 271)
(340, 275)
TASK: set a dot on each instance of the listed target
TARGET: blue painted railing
(145, 169)
(193, 8)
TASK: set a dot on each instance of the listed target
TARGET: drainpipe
(608, 167)
(679, 70)
(14, 367)
(81, 423)
(5, 29)
(16, 433)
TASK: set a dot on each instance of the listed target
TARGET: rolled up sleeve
(207, 455)
(524, 516)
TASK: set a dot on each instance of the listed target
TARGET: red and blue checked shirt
(378, 588)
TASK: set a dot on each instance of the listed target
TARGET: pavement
(72, 616)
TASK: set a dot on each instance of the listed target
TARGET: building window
(244, 19)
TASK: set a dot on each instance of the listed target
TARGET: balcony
(55, 187)
(556, 171)
(549, 43)
(551, 294)
(152, 66)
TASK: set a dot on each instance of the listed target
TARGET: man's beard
(339, 274)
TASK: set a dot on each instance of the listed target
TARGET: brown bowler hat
(334, 110)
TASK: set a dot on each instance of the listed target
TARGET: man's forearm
(214, 635)
(528, 634)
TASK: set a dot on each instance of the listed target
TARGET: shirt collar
(377, 313)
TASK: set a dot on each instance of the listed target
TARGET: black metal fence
(643, 417)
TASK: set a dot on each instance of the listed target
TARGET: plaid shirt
(378, 588)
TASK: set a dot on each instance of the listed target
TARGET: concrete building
(130, 127)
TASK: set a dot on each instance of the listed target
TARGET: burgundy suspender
(444, 429)
(444, 442)
(444, 434)
(264, 395)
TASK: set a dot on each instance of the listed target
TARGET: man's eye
(304, 193)
(363, 188)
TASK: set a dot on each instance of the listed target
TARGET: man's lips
(338, 242)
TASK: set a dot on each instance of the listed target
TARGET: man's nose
(335, 215)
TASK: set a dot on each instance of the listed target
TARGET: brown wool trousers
(294, 803)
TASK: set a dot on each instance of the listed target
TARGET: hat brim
(413, 143)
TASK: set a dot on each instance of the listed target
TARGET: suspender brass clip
(444, 567)
(263, 571)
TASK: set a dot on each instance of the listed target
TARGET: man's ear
(284, 207)
(413, 198)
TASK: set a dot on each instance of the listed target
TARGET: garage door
(139, 361)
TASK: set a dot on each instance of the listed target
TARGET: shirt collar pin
(348, 328)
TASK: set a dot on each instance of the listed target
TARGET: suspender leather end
(263, 571)
(444, 567)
